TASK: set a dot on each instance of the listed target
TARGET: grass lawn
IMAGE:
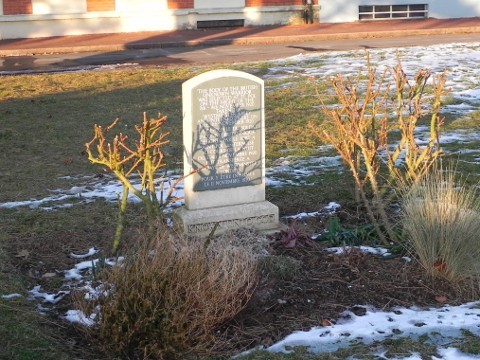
(45, 120)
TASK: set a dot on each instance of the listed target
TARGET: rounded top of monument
(221, 73)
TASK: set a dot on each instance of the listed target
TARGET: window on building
(382, 12)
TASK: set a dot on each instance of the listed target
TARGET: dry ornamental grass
(442, 225)
(171, 295)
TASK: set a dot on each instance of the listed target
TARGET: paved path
(225, 45)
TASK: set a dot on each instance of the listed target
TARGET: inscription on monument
(227, 139)
(248, 222)
(224, 145)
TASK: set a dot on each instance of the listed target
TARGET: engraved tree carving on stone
(224, 150)
(227, 136)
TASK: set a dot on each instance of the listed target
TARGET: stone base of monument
(261, 216)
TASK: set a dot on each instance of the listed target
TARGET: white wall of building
(212, 4)
(337, 11)
(62, 17)
(135, 16)
(144, 6)
(333, 11)
(59, 7)
(453, 8)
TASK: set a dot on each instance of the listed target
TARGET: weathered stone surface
(224, 146)
(262, 216)
(224, 139)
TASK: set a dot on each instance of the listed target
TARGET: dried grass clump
(441, 220)
(170, 297)
(247, 239)
(280, 267)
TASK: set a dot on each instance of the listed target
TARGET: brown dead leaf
(440, 266)
(23, 254)
(49, 275)
(442, 299)
(326, 322)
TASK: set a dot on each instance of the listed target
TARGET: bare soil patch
(326, 284)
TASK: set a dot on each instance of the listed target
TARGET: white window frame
(394, 12)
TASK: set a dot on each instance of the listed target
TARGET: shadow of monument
(17, 63)
(227, 153)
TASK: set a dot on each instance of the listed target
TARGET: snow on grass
(11, 296)
(94, 292)
(458, 109)
(79, 317)
(328, 210)
(90, 252)
(46, 297)
(463, 64)
(459, 136)
(76, 273)
(289, 170)
(79, 277)
(453, 354)
(92, 189)
(338, 250)
(300, 167)
(375, 325)
(462, 61)
(378, 325)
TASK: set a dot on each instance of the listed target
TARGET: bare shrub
(360, 127)
(144, 156)
(171, 295)
(441, 222)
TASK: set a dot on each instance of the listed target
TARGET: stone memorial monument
(224, 145)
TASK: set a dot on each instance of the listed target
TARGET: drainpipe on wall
(308, 11)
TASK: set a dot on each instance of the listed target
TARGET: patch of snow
(34, 203)
(458, 109)
(76, 272)
(459, 136)
(378, 325)
(454, 354)
(338, 250)
(94, 189)
(90, 252)
(48, 298)
(328, 210)
(332, 206)
(471, 95)
(467, 151)
(94, 292)
(11, 296)
(79, 317)
(299, 167)
(413, 356)
(462, 62)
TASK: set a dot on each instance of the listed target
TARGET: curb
(240, 41)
